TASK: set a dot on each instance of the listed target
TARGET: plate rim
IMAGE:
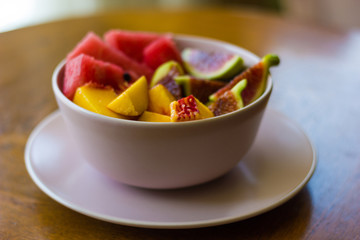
(155, 224)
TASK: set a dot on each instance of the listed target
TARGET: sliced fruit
(94, 46)
(211, 65)
(256, 77)
(189, 108)
(129, 42)
(83, 69)
(168, 69)
(95, 98)
(160, 51)
(199, 88)
(153, 117)
(133, 101)
(165, 74)
(229, 101)
(160, 99)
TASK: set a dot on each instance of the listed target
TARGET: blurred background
(332, 13)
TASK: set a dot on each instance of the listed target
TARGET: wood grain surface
(317, 85)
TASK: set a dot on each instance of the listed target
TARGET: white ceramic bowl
(164, 155)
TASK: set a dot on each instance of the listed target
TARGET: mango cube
(133, 101)
(160, 99)
(154, 117)
(95, 99)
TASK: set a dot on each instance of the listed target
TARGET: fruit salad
(145, 77)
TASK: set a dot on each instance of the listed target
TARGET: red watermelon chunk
(86, 69)
(94, 46)
(130, 43)
(160, 51)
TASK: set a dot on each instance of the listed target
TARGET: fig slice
(256, 77)
(199, 88)
(187, 109)
(165, 74)
(230, 101)
(211, 65)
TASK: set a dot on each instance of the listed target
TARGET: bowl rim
(177, 37)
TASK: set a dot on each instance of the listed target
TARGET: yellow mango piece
(205, 112)
(153, 117)
(133, 101)
(95, 99)
(160, 99)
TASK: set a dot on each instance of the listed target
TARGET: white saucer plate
(279, 164)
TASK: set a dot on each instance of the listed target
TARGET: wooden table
(317, 85)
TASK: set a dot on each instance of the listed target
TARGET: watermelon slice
(130, 43)
(160, 51)
(94, 46)
(86, 69)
